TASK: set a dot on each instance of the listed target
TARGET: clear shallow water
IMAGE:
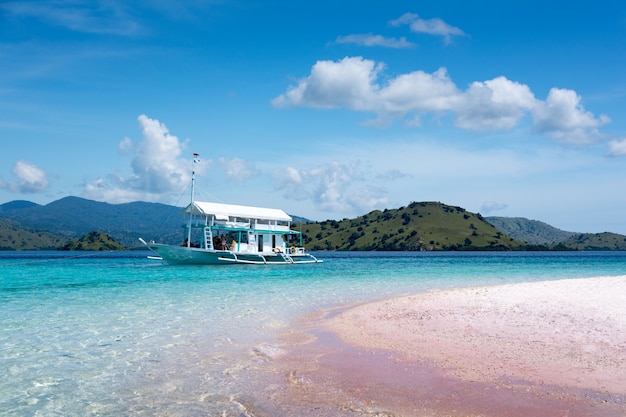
(119, 334)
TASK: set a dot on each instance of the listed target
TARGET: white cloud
(347, 83)
(563, 117)
(617, 148)
(375, 40)
(367, 198)
(111, 192)
(392, 175)
(436, 26)
(496, 104)
(491, 206)
(125, 147)
(351, 83)
(333, 187)
(158, 168)
(294, 182)
(237, 169)
(29, 179)
(418, 92)
(333, 182)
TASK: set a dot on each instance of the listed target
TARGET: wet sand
(555, 348)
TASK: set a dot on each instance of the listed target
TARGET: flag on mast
(196, 158)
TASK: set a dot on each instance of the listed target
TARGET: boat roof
(231, 210)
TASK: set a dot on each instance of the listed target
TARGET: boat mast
(196, 158)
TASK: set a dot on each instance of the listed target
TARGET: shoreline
(546, 348)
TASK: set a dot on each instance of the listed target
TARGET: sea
(119, 334)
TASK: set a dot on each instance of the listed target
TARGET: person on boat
(216, 243)
(224, 245)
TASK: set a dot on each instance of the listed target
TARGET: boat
(228, 234)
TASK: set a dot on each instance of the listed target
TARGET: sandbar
(553, 348)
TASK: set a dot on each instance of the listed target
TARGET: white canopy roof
(221, 210)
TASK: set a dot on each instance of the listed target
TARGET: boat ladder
(208, 242)
(288, 259)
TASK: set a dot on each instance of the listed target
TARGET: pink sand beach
(554, 348)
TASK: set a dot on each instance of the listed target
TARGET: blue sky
(324, 109)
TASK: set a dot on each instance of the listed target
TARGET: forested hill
(530, 231)
(418, 226)
(539, 233)
(73, 217)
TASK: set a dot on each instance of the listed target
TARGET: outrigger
(226, 234)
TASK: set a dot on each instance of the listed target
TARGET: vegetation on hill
(73, 217)
(17, 204)
(596, 241)
(529, 231)
(541, 236)
(418, 226)
(14, 236)
(94, 241)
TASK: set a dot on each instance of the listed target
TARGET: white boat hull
(182, 255)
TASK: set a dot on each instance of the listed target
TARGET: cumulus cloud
(418, 92)
(237, 169)
(563, 117)
(347, 83)
(333, 187)
(359, 84)
(435, 27)
(374, 40)
(617, 148)
(28, 179)
(158, 168)
(496, 104)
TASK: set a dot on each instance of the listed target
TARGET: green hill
(17, 204)
(418, 226)
(14, 236)
(94, 241)
(596, 241)
(73, 217)
(535, 232)
(529, 231)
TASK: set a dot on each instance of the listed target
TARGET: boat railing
(280, 229)
(295, 250)
(226, 224)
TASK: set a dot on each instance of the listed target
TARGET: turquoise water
(119, 334)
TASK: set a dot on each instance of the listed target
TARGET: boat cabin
(240, 229)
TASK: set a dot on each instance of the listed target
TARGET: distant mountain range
(529, 231)
(419, 226)
(535, 232)
(73, 217)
